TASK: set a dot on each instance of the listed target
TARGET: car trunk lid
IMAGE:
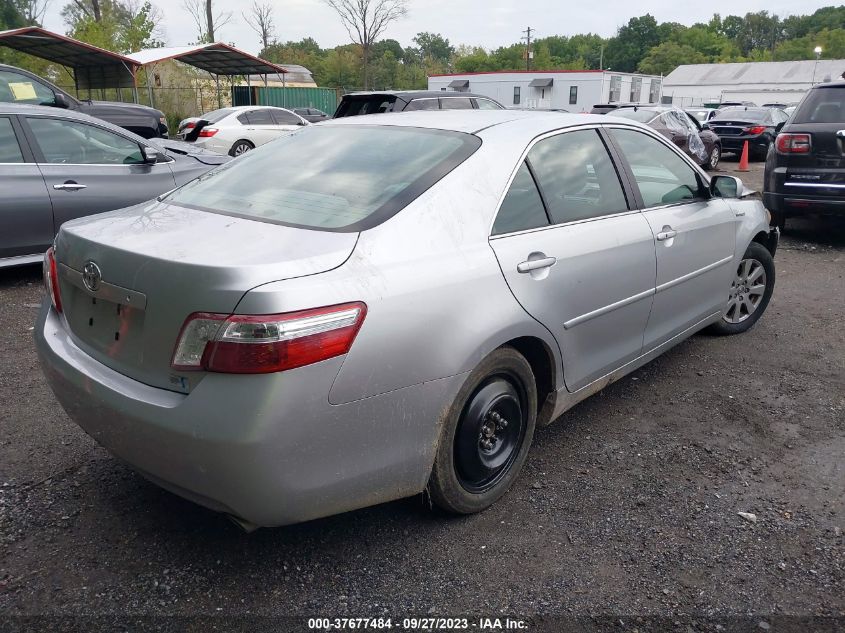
(821, 171)
(129, 278)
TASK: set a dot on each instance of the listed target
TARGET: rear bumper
(790, 205)
(734, 144)
(268, 448)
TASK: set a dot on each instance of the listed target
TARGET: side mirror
(726, 187)
(61, 101)
(705, 126)
(303, 122)
(779, 127)
(150, 155)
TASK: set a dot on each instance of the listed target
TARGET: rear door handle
(69, 186)
(535, 264)
(666, 235)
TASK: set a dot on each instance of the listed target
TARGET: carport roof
(217, 59)
(94, 67)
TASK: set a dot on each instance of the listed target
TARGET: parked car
(605, 108)
(57, 165)
(239, 129)
(399, 316)
(699, 143)
(736, 125)
(734, 104)
(312, 115)
(805, 173)
(357, 103)
(22, 87)
(788, 110)
(702, 115)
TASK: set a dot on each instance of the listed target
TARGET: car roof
(416, 94)
(473, 121)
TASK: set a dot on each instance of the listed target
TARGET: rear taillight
(793, 144)
(208, 132)
(51, 279)
(190, 126)
(265, 343)
(757, 129)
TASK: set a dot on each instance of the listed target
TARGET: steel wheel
(747, 290)
(490, 434)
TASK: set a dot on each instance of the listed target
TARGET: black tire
(712, 161)
(736, 319)
(241, 147)
(468, 475)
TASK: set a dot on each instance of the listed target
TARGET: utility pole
(527, 39)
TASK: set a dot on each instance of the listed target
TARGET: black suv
(357, 103)
(23, 87)
(805, 170)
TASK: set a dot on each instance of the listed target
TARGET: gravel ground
(627, 508)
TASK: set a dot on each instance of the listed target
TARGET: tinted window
(353, 180)
(486, 104)
(522, 207)
(423, 104)
(365, 104)
(662, 176)
(283, 117)
(217, 115)
(17, 88)
(455, 103)
(576, 176)
(10, 151)
(516, 95)
(260, 117)
(71, 142)
(301, 111)
(573, 95)
(822, 105)
(243, 118)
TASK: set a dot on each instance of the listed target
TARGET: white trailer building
(572, 90)
(758, 82)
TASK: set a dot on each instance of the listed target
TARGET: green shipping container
(324, 99)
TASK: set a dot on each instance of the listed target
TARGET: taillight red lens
(51, 279)
(190, 126)
(793, 143)
(208, 132)
(260, 344)
(757, 129)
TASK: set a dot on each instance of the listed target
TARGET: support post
(219, 99)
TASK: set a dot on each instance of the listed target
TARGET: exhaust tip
(247, 526)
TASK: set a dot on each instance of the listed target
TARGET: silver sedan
(398, 313)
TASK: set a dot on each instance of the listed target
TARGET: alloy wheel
(747, 290)
(715, 156)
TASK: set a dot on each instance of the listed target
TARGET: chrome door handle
(535, 264)
(69, 186)
(666, 235)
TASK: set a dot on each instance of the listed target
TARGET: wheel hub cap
(747, 290)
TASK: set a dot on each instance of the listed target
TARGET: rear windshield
(822, 105)
(336, 178)
(217, 115)
(643, 116)
(741, 113)
(701, 115)
(364, 104)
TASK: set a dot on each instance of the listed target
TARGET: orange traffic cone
(743, 160)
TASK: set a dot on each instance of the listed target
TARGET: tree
(207, 22)
(10, 15)
(664, 58)
(434, 46)
(33, 11)
(365, 21)
(631, 43)
(116, 25)
(260, 20)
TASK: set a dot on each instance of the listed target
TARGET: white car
(239, 129)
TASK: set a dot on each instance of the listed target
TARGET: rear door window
(522, 207)
(487, 104)
(283, 117)
(10, 150)
(576, 177)
(260, 117)
(455, 103)
(423, 104)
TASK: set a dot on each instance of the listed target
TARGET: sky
(487, 23)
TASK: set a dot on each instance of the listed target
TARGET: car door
(90, 169)
(576, 255)
(695, 234)
(286, 122)
(26, 215)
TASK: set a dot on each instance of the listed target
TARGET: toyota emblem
(91, 276)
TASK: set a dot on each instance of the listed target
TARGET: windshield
(701, 115)
(364, 104)
(822, 105)
(744, 114)
(336, 178)
(641, 115)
